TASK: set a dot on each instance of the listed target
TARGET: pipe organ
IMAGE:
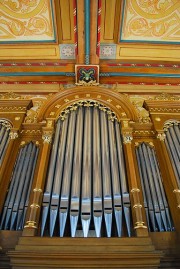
(17, 199)
(86, 193)
(4, 138)
(100, 186)
(172, 142)
(155, 201)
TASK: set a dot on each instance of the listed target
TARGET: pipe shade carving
(86, 191)
(155, 202)
(17, 199)
(4, 138)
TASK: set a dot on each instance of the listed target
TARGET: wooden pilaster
(137, 207)
(31, 226)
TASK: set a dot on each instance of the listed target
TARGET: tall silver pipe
(152, 188)
(86, 173)
(155, 182)
(50, 178)
(123, 180)
(66, 183)
(115, 178)
(168, 220)
(4, 138)
(20, 185)
(145, 180)
(143, 187)
(26, 187)
(173, 153)
(97, 175)
(177, 131)
(12, 182)
(106, 175)
(2, 132)
(58, 175)
(15, 187)
(175, 141)
(76, 173)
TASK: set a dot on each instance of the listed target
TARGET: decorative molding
(31, 132)
(88, 103)
(6, 124)
(87, 75)
(143, 114)
(67, 51)
(144, 132)
(165, 97)
(108, 51)
(30, 224)
(10, 96)
(165, 110)
(32, 113)
(13, 108)
(170, 123)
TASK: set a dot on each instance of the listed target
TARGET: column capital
(47, 137)
(127, 138)
(161, 136)
(13, 135)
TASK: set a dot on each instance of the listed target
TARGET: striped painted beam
(87, 31)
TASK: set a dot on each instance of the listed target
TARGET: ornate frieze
(10, 96)
(165, 97)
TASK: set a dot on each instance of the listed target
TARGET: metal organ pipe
(89, 187)
(14, 210)
(66, 183)
(172, 142)
(86, 174)
(4, 138)
(123, 180)
(158, 216)
(107, 195)
(76, 174)
(97, 174)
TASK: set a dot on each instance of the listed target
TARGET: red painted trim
(75, 26)
(99, 27)
(144, 65)
(108, 82)
(34, 64)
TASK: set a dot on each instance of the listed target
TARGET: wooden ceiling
(134, 42)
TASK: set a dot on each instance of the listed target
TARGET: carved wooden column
(30, 229)
(135, 194)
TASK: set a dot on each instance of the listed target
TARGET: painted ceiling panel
(151, 20)
(26, 21)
